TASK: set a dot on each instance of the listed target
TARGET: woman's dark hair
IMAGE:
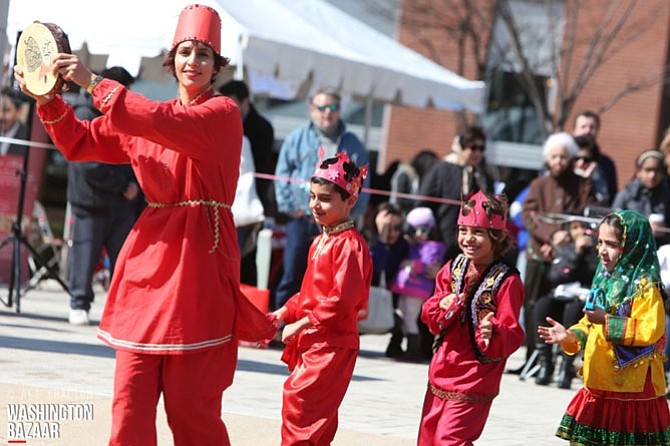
(423, 161)
(470, 135)
(219, 61)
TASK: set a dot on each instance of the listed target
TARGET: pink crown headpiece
(337, 172)
(477, 211)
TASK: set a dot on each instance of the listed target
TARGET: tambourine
(38, 44)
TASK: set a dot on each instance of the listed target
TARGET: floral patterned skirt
(597, 417)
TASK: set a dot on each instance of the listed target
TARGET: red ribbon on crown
(336, 173)
(476, 211)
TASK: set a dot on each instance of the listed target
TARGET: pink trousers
(451, 423)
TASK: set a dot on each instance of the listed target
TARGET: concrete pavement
(44, 360)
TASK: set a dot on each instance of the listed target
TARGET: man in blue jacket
(298, 158)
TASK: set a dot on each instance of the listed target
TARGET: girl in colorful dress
(415, 281)
(622, 337)
(475, 315)
(321, 331)
(174, 312)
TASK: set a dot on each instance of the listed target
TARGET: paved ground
(45, 360)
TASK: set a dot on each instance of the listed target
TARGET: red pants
(451, 423)
(313, 394)
(192, 387)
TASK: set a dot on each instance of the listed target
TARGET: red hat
(476, 211)
(200, 23)
(338, 171)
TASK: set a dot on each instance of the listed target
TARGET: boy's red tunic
(176, 286)
(322, 358)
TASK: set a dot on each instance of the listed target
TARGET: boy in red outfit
(475, 313)
(321, 331)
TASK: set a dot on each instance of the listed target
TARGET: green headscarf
(637, 268)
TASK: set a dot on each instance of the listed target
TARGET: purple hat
(421, 217)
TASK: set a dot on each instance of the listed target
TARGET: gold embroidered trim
(459, 396)
(327, 232)
(55, 121)
(109, 95)
(216, 205)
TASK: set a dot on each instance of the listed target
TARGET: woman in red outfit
(174, 311)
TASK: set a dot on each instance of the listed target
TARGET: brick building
(634, 123)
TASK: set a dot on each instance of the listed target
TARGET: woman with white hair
(561, 191)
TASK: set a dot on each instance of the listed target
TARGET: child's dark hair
(351, 171)
(614, 221)
(322, 181)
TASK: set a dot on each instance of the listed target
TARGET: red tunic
(322, 358)
(176, 284)
(455, 374)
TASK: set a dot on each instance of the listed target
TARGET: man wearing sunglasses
(298, 158)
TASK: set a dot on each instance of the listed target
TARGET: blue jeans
(299, 235)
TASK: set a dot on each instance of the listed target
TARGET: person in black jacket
(261, 136)
(454, 180)
(573, 266)
(105, 201)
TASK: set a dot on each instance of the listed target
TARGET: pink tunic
(176, 285)
(461, 387)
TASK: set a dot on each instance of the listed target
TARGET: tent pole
(368, 120)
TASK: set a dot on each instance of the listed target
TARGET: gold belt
(216, 205)
(459, 396)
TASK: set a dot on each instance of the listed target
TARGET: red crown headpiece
(337, 172)
(476, 211)
(200, 23)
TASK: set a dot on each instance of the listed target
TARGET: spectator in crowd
(588, 123)
(573, 267)
(388, 248)
(586, 165)
(249, 206)
(408, 177)
(10, 121)
(105, 199)
(248, 214)
(261, 136)
(560, 191)
(648, 193)
(453, 180)
(298, 156)
(415, 281)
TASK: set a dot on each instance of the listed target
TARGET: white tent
(285, 46)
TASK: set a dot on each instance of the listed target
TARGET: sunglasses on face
(586, 159)
(331, 107)
(480, 147)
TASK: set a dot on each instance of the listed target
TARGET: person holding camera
(570, 273)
